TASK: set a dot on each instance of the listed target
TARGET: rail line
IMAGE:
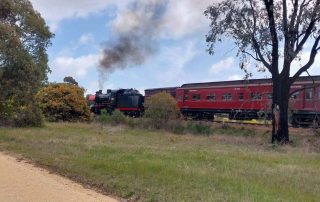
(266, 123)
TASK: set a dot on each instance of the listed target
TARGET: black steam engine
(128, 101)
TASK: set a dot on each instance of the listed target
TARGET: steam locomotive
(128, 101)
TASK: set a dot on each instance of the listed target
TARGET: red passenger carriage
(248, 99)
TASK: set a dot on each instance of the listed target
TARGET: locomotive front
(128, 101)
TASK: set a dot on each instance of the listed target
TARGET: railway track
(256, 122)
(249, 122)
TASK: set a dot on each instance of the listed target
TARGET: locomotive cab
(128, 101)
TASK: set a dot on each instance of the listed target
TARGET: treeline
(24, 39)
(25, 94)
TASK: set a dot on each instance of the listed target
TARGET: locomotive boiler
(128, 101)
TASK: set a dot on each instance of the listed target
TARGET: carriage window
(309, 94)
(227, 96)
(256, 96)
(295, 96)
(269, 96)
(179, 98)
(196, 97)
(186, 97)
(211, 97)
(241, 96)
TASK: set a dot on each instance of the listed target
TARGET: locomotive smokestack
(135, 29)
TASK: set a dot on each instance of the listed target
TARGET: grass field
(146, 165)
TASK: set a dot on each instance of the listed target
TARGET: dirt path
(21, 181)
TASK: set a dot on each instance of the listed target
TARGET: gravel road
(21, 181)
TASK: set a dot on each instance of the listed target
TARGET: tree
(24, 38)
(71, 80)
(63, 102)
(272, 33)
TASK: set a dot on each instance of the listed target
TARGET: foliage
(71, 80)
(104, 117)
(199, 128)
(175, 126)
(24, 38)
(160, 108)
(116, 118)
(271, 33)
(63, 102)
(189, 127)
(29, 116)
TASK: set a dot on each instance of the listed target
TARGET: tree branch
(256, 46)
(255, 58)
(308, 31)
(312, 57)
(294, 14)
(275, 43)
(298, 22)
(285, 18)
(258, 51)
(301, 89)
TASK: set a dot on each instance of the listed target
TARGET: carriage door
(185, 97)
(309, 96)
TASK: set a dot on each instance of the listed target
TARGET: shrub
(63, 102)
(199, 128)
(160, 108)
(14, 115)
(28, 116)
(6, 112)
(116, 118)
(104, 117)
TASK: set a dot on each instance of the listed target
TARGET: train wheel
(294, 122)
(210, 117)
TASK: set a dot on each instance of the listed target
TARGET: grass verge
(144, 165)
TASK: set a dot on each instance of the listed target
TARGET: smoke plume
(135, 30)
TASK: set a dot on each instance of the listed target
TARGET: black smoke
(136, 31)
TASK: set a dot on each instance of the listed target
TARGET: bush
(63, 102)
(28, 116)
(7, 112)
(160, 108)
(199, 128)
(104, 117)
(116, 118)
(14, 115)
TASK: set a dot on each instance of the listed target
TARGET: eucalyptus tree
(71, 80)
(273, 34)
(24, 38)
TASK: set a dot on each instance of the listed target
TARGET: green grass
(146, 165)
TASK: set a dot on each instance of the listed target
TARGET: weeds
(116, 118)
(175, 126)
(188, 168)
(236, 131)
(316, 132)
(199, 128)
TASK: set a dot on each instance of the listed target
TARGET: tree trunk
(280, 103)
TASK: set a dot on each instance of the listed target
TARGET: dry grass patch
(147, 165)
